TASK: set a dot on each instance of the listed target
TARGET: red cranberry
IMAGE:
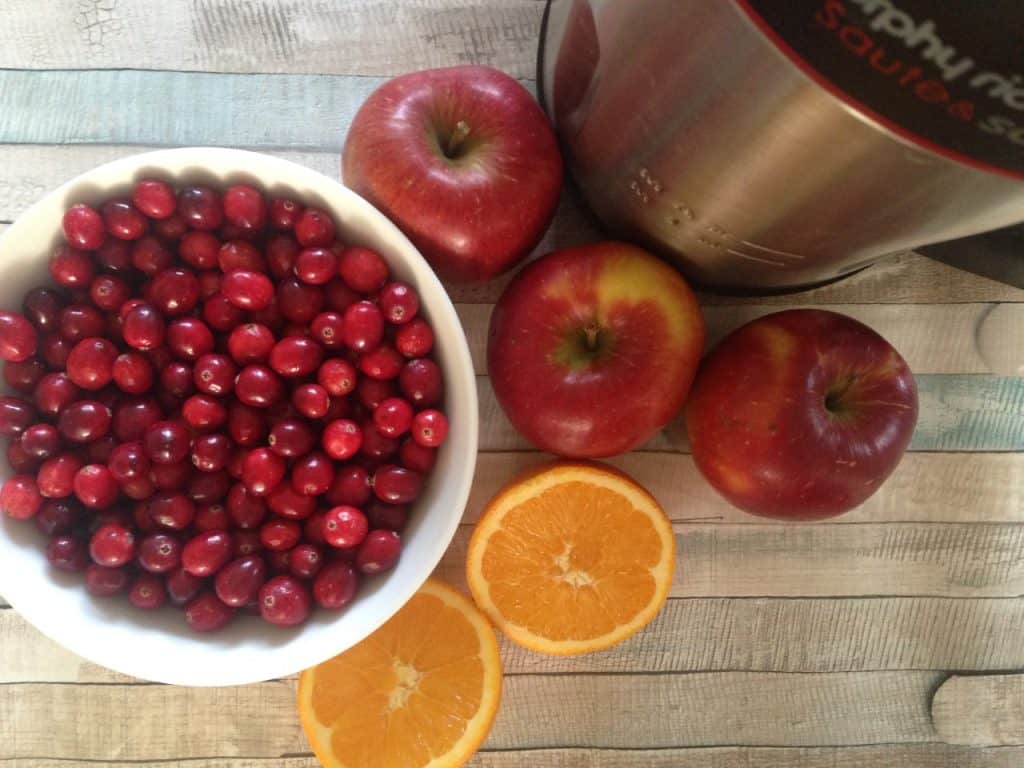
(101, 581)
(305, 561)
(220, 314)
(171, 477)
(128, 462)
(246, 543)
(363, 326)
(345, 526)
(312, 474)
(247, 290)
(133, 416)
(95, 487)
(393, 417)
(16, 415)
(379, 551)
(84, 421)
(150, 255)
(296, 356)
(159, 553)
(283, 214)
(210, 453)
(284, 501)
(57, 516)
(328, 329)
(174, 291)
(41, 307)
(154, 198)
(17, 337)
(41, 441)
(420, 381)
(199, 249)
(297, 301)
(207, 553)
(238, 583)
(207, 613)
(98, 451)
(262, 471)
(311, 400)
(291, 438)
(209, 283)
(201, 207)
(207, 487)
(316, 265)
(397, 485)
(115, 256)
(182, 586)
(54, 393)
(54, 350)
(245, 509)
(132, 373)
(56, 477)
(258, 386)
(171, 510)
(416, 457)
(335, 586)
(166, 442)
(284, 601)
(313, 529)
(176, 379)
(240, 255)
(244, 207)
(91, 363)
(83, 227)
(364, 270)
(71, 268)
(80, 321)
(314, 228)
(337, 376)
(246, 425)
(143, 327)
(214, 374)
(20, 462)
(123, 220)
(392, 517)
(211, 516)
(429, 428)
(147, 592)
(112, 545)
(109, 292)
(171, 228)
(250, 343)
(20, 497)
(280, 535)
(342, 439)
(375, 445)
(67, 553)
(351, 487)
(203, 412)
(281, 253)
(383, 363)
(189, 338)
(399, 303)
(277, 561)
(339, 296)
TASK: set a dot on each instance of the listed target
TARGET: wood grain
(353, 37)
(986, 709)
(694, 635)
(619, 711)
(934, 560)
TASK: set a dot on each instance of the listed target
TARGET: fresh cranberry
(54, 349)
(112, 545)
(291, 438)
(393, 417)
(383, 363)
(258, 386)
(284, 214)
(67, 553)
(246, 425)
(351, 487)
(159, 553)
(176, 379)
(328, 329)
(166, 442)
(211, 516)
(41, 441)
(250, 343)
(314, 227)
(416, 457)
(41, 307)
(202, 412)
(281, 252)
(297, 301)
(214, 374)
(56, 476)
(154, 198)
(284, 601)
(397, 485)
(83, 227)
(345, 526)
(171, 477)
(429, 428)
(171, 510)
(339, 296)
(240, 255)
(420, 382)
(210, 453)
(80, 321)
(379, 551)
(189, 338)
(376, 445)
(71, 267)
(151, 255)
(207, 613)
(238, 583)
(316, 265)
(182, 586)
(16, 415)
(25, 375)
(341, 439)
(206, 553)
(262, 471)
(391, 517)
(209, 283)
(172, 228)
(363, 326)
(20, 497)
(174, 291)
(199, 249)
(313, 529)
(247, 290)
(362, 269)
(95, 487)
(101, 581)
(311, 400)
(109, 292)
(245, 207)
(284, 501)
(305, 561)
(147, 592)
(143, 328)
(201, 207)
(132, 373)
(312, 474)
(296, 356)
(337, 376)
(98, 451)
(91, 362)
(20, 462)
(133, 416)
(246, 543)
(128, 462)
(399, 303)
(220, 314)
(245, 509)
(123, 220)
(84, 421)
(280, 535)
(335, 586)
(209, 487)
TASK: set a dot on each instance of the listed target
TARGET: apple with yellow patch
(592, 349)
(801, 415)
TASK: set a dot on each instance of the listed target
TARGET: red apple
(463, 160)
(593, 349)
(801, 415)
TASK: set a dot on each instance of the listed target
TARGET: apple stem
(458, 136)
(591, 332)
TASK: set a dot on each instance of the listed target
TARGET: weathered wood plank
(350, 37)
(926, 487)
(928, 560)
(987, 709)
(761, 635)
(619, 711)
(956, 413)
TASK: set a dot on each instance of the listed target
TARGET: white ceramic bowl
(159, 646)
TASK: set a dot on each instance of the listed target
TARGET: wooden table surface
(815, 646)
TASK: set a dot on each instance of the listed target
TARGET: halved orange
(571, 558)
(420, 692)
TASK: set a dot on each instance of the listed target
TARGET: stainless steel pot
(768, 145)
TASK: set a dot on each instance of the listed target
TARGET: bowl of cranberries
(239, 417)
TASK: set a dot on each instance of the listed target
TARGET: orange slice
(571, 558)
(420, 692)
